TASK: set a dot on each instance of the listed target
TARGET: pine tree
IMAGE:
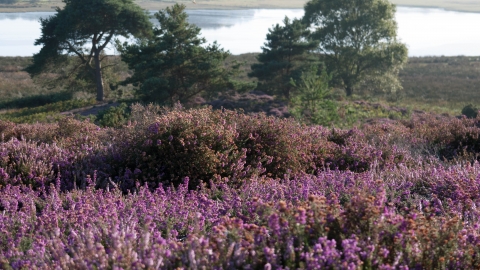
(283, 57)
(175, 65)
(83, 29)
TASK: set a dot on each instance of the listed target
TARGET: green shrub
(469, 111)
(113, 116)
(310, 103)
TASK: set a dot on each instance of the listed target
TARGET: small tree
(175, 65)
(357, 40)
(310, 101)
(282, 57)
(84, 29)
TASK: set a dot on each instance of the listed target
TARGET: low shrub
(162, 146)
(204, 144)
(113, 116)
(36, 100)
(469, 111)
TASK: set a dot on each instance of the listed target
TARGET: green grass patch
(47, 113)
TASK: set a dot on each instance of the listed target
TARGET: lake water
(426, 31)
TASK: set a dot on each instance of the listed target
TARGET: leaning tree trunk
(98, 75)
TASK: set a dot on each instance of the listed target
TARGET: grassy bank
(461, 5)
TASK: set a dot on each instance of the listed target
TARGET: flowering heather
(203, 189)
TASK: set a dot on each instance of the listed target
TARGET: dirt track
(95, 109)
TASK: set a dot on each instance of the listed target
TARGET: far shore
(460, 5)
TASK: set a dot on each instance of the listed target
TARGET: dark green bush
(36, 100)
(469, 111)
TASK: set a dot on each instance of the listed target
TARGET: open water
(426, 31)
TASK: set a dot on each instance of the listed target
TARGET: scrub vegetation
(222, 189)
(205, 160)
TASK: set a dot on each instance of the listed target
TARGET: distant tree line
(338, 43)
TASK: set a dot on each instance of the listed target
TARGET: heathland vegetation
(280, 160)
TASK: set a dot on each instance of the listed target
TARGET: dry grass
(18, 90)
(447, 83)
(15, 83)
(436, 84)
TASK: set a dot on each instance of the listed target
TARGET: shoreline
(253, 4)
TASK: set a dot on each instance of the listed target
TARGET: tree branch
(72, 48)
(107, 40)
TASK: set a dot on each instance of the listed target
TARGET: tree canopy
(357, 40)
(176, 65)
(84, 28)
(283, 57)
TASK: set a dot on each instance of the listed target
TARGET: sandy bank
(460, 5)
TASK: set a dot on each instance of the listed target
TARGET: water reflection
(426, 31)
(213, 19)
(438, 32)
(247, 35)
(28, 16)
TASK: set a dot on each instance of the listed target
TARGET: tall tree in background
(175, 65)
(357, 40)
(84, 28)
(282, 58)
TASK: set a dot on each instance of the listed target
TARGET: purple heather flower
(384, 252)
(301, 216)
(274, 223)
